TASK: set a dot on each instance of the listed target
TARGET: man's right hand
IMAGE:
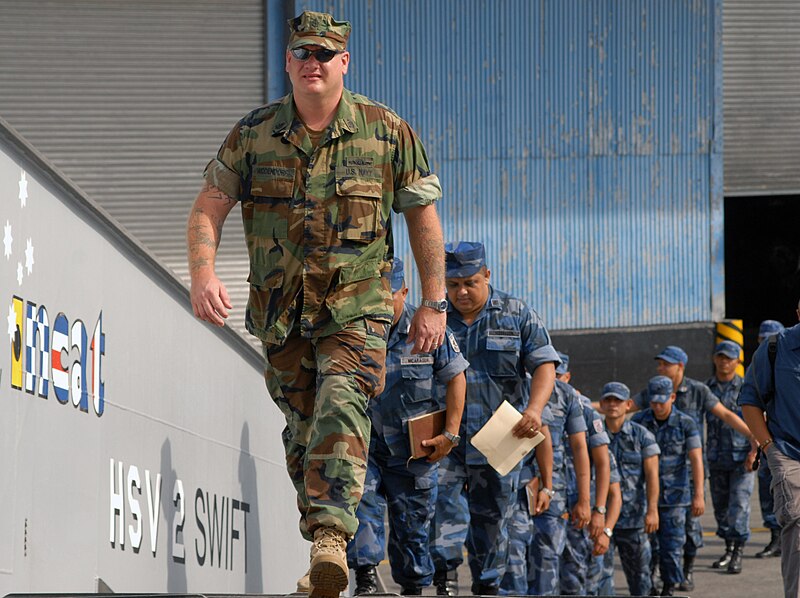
(210, 300)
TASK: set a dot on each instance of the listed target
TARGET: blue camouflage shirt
(595, 436)
(783, 416)
(675, 437)
(725, 447)
(506, 340)
(414, 384)
(567, 419)
(630, 447)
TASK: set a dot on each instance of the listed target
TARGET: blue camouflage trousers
(633, 546)
(668, 543)
(408, 491)
(520, 535)
(473, 507)
(765, 495)
(605, 575)
(573, 574)
(731, 490)
(549, 539)
(694, 534)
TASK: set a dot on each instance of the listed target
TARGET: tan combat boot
(329, 573)
(304, 584)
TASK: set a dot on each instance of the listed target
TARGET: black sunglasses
(322, 55)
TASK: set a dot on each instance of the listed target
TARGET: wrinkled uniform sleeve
(612, 461)
(414, 183)
(448, 361)
(536, 344)
(575, 423)
(709, 399)
(757, 379)
(226, 171)
(649, 445)
(693, 439)
(595, 430)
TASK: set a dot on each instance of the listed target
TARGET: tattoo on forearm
(204, 229)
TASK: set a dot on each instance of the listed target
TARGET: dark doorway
(762, 261)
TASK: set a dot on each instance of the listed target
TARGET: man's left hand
(427, 330)
(601, 544)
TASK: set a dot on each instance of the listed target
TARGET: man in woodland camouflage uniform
(317, 174)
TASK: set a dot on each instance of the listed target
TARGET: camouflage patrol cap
(318, 29)
(673, 354)
(768, 328)
(398, 277)
(464, 258)
(563, 367)
(659, 389)
(728, 349)
(616, 390)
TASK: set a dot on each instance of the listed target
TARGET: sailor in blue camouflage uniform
(636, 452)
(696, 400)
(550, 527)
(766, 329)
(677, 437)
(580, 541)
(505, 342)
(415, 385)
(730, 461)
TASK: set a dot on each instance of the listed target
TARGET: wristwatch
(454, 438)
(599, 509)
(548, 491)
(440, 306)
(607, 531)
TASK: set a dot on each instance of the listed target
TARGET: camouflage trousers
(322, 386)
(549, 540)
(694, 534)
(633, 546)
(731, 490)
(473, 508)
(520, 536)
(574, 577)
(765, 495)
(668, 543)
(408, 490)
(604, 576)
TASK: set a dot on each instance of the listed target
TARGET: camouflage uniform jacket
(317, 221)
(675, 437)
(725, 446)
(504, 342)
(414, 384)
(631, 446)
(596, 435)
(566, 419)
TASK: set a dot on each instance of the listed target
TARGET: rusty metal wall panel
(573, 138)
(762, 97)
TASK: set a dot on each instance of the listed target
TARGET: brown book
(424, 427)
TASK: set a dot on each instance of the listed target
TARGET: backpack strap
(772, 354)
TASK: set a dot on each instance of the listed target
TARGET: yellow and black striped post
(732, 330)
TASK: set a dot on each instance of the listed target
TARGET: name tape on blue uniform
(417, 360)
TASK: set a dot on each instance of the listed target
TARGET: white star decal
(29, 257)
(12, 322)
(7, 239)
(19, 273)
(23, 189)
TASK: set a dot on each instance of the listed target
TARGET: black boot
(688, 575)
(411, 591)
(774, 546)
(446, 582)
(668, 589)
(366, 580)
(735, 566)
(483, 589)
(722, 562)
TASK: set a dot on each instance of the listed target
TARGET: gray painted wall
(178, 402)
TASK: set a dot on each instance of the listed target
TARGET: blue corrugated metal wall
(573, 137)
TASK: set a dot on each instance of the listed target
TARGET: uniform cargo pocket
(503, 354)
(359, 200)
(272, 188)
(265, 277)
(417, 381)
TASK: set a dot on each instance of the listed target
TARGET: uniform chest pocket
(417, 374)
(359, 192)
(502, 353)
(272, 188)
(631, 458)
